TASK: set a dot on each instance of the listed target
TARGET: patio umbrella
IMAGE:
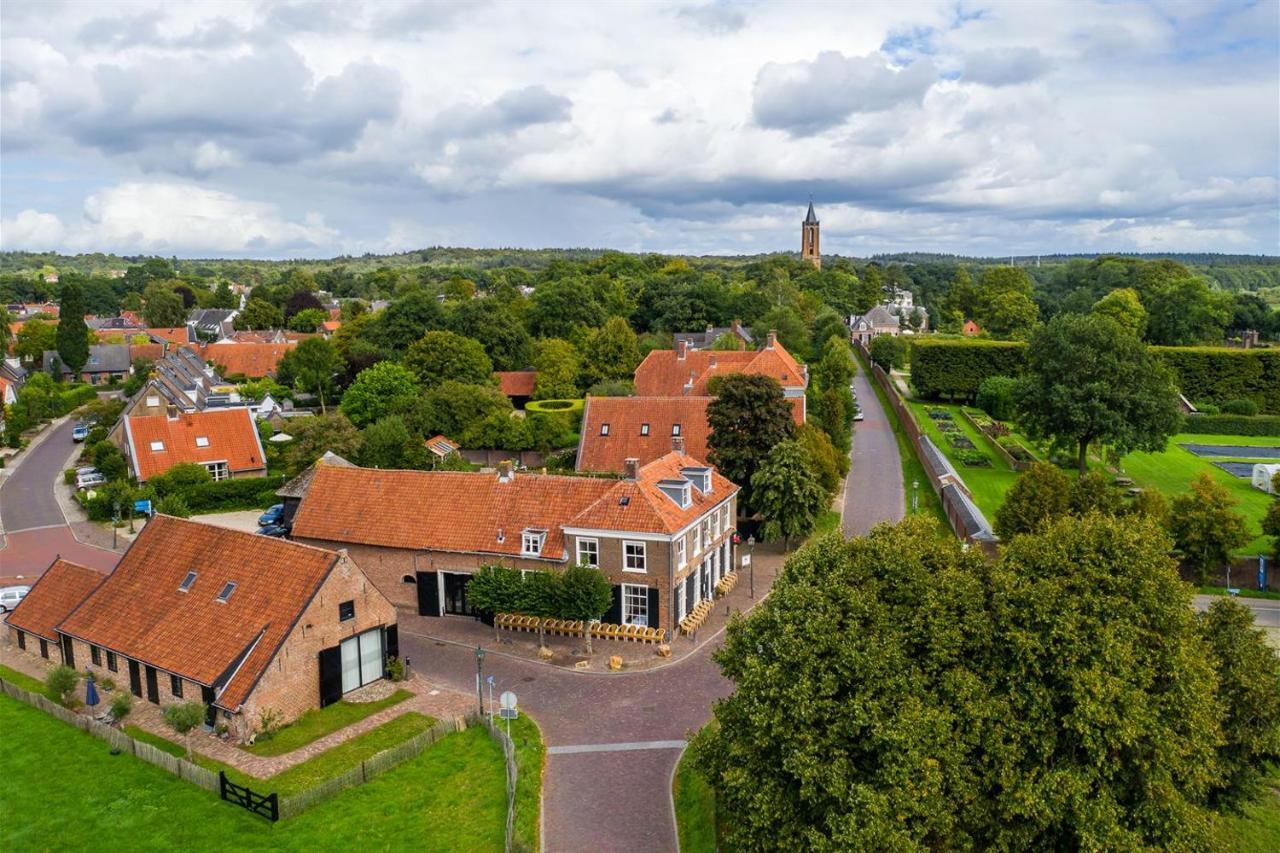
(90, 692)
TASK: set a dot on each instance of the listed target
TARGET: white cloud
(33, 230)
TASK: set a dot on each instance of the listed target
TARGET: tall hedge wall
(1217, 374)
(953, 369)
(1233, 425)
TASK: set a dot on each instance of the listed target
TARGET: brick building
(224, 441)
(615, 429)
(33, 625)
(243, 623)
(662, 534)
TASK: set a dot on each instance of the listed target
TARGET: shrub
(888, 351)
(955, 369)
(121, 705)
(1208, 409)
(73, 398)
(269, 722)
(1248, 408)
(1233, 425)
(973, 458)
(69, 476)
(107, 684)
(173, 505)
(995, 396)
(395, 668)
(60, 682)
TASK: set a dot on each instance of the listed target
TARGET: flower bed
(973, 458)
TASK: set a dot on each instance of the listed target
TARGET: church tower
(809, 250)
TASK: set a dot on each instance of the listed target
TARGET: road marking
(615, 747)
(41, 527)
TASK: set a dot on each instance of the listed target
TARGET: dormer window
(202, 441)
(604, 429)
(157, 446)
(187, 582)
(644, 429)
(531, 542)
(700, 477)
(229, 588)
(680, 492)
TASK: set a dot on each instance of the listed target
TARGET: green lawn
(695, 808)
(1256, 831)
(530, 755)
(65, 791)
(318, 722)
(826, 522)
(21, 679)
(1172, 471)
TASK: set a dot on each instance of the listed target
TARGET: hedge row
(227, 495)
(1218, 375)
(953, 369)
(1233, 425)
(65, 401)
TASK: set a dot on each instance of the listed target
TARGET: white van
(11, 595)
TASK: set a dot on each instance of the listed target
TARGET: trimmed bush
(73, 398)
(571, 408)
(1248, 408)
(1218, 375)
(955, 369)
(995, 396)
(1233, 425)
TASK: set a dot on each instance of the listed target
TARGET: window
(644, 429)
(218, 470)
(635, 604)
(681, 612)
(346, 611)
(202, 441)
(361, 658)
(22, 640)
(697, 539)
(111, 662)
(187, 582)
(226, 591)
(175, 686)
(633, 557)
(408, 579)
(589, 553)
(531, 542)
(157, 446)
(604, 429)
(715, 525)
(681, 557)
(44, 649)
(95, 655)
(675, 429)
(153, 400)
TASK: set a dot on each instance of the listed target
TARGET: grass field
(62, 789)
(318, 722)
(986, 485)
(21, 679)
(695, 808)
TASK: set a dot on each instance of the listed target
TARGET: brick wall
(83, 654)
(291, 682)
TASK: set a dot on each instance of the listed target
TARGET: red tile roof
(517, 383)
(175, 335)
(139, 612)
(464, 512)
(663, 373)
(53, 597)
(252, 360)
(331, 325)
(148, 352)
(626, 416)
(231, 433)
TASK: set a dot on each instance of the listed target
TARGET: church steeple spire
(809, 250)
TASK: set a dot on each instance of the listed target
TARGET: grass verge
(695, 803)
(21, 679)
(530, 755)
(318, 722)
(1242, 593)
(1257, 830)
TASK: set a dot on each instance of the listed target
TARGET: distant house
(518, 385)
(442, 447)
(224, 441)
(970, 329)
(250, 360)
(179, 381)
(107, 363)
(878, 321)
(240, 622)
(615, 429)
(119, 325)
(212, 324)
(707, 338)
(177, 335)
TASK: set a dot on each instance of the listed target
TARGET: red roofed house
(686, 372)
(662, 534)
(252, 361)
(224, 441)
(970, 329)
(517, 385)
(615, 429)
(60, 590)
(244, 623)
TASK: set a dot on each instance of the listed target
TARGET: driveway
(873, 490)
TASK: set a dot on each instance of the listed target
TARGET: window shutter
(653, 607)
(614, 616)
(330, 676)
(690, 592)
(428, 594)
(391, 646)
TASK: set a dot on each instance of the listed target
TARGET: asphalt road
(26, 497)
(873, 490)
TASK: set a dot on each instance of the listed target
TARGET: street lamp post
(115, 524)
(480, 679)
(915, 495)
(751, 563)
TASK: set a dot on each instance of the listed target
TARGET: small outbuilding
(1264, 476)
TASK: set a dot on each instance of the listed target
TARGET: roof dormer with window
(680, 492)
(700, 477)
(531, 542)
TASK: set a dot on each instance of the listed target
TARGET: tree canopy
(747, 419)
(73, 335)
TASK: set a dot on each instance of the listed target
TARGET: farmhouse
(33, 624)
(243, 623)
(224, 441)
(662, 534)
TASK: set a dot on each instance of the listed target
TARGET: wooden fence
(179, 767)
(509, 756)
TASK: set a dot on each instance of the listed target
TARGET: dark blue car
(272, 516)
(276, 530)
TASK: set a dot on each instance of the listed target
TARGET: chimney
(688, 386)
(677, 444)
(505, 472)
(631, 469)
(772, 341)
(682, 349)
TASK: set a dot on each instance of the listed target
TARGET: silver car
(11, 595)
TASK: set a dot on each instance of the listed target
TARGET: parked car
(87, 469)
(11, 595)
(272, 516)
(276, 530)
(88, 481)
(80, 433)
(857, 415)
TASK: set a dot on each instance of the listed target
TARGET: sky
(313, 129)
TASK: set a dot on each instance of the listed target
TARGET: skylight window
(187, 582)
(157, 446)
(202, 441)
(644, 429)
(226, 591)
(604, 429)
(675, 429)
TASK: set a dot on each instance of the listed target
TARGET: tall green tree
(1184, 311)
(836, 368)
(442, 356)
(223, 297)
(499, 327)
(563, 306)
(559, 367)
(1125, 308)
(311, 368)
(162, 307)
(1004, 304)
(384, 389)
(404, 321)
(73, 333)
(787, 493)
(34, 338)
(388, 443)
(748, 418)
(1040, 495)
(611, 352)
(313, 437)
(259, 314)
(452, 408)
(1088, 381)
(1206, 527)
